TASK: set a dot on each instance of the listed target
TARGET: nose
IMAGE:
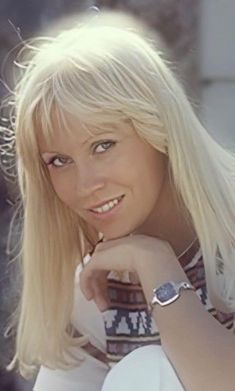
(88, 180)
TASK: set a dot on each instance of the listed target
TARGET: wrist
(156, 273)
(168, 293)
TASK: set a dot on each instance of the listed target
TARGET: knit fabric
(127, 322)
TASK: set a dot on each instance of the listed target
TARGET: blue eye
(58, 161)
(104, 146)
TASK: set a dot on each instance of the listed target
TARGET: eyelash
(52, 160)
(111, 143)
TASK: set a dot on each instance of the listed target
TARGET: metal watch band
(167, 293)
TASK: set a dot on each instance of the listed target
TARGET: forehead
(67, 131)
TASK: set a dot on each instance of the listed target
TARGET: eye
(58, 161)
(104, 146)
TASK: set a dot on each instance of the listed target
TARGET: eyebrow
(82, 144)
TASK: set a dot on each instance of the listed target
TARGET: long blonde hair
(103, 71)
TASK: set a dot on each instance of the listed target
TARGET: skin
(193, 340)
(88, 169)
(92, 171)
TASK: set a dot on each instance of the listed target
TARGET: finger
(100, 296)
(99, 286)
(94, 283)
(86, 284)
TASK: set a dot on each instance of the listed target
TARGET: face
(112, 179)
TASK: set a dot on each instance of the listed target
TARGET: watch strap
(168, 292)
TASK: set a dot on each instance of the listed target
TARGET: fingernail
(89, 295)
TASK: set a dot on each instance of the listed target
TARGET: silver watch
(168, 292)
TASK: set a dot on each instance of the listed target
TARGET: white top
(147, 363)
(91, 375)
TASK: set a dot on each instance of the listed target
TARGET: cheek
(150, 175)
(140, 168)
(64, 186)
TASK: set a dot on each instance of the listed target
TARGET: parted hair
(106, 69)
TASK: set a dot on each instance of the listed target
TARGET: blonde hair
(103, 71)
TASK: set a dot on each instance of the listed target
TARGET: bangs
(92, 90)
(59, 110)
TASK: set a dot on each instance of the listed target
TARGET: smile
(107, 206)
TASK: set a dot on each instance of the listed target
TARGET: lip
(108, 213)
(103, 203)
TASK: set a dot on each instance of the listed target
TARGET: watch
(168, 292)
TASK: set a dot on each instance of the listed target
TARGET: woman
(124, 189)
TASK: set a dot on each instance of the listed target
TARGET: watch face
(166, 292)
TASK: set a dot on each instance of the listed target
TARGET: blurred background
(200, 37)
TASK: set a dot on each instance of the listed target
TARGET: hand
(142, 255)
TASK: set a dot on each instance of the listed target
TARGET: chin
(117, 234)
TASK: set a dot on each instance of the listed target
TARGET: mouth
(107, 208)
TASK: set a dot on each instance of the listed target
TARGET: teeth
(106, 207)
